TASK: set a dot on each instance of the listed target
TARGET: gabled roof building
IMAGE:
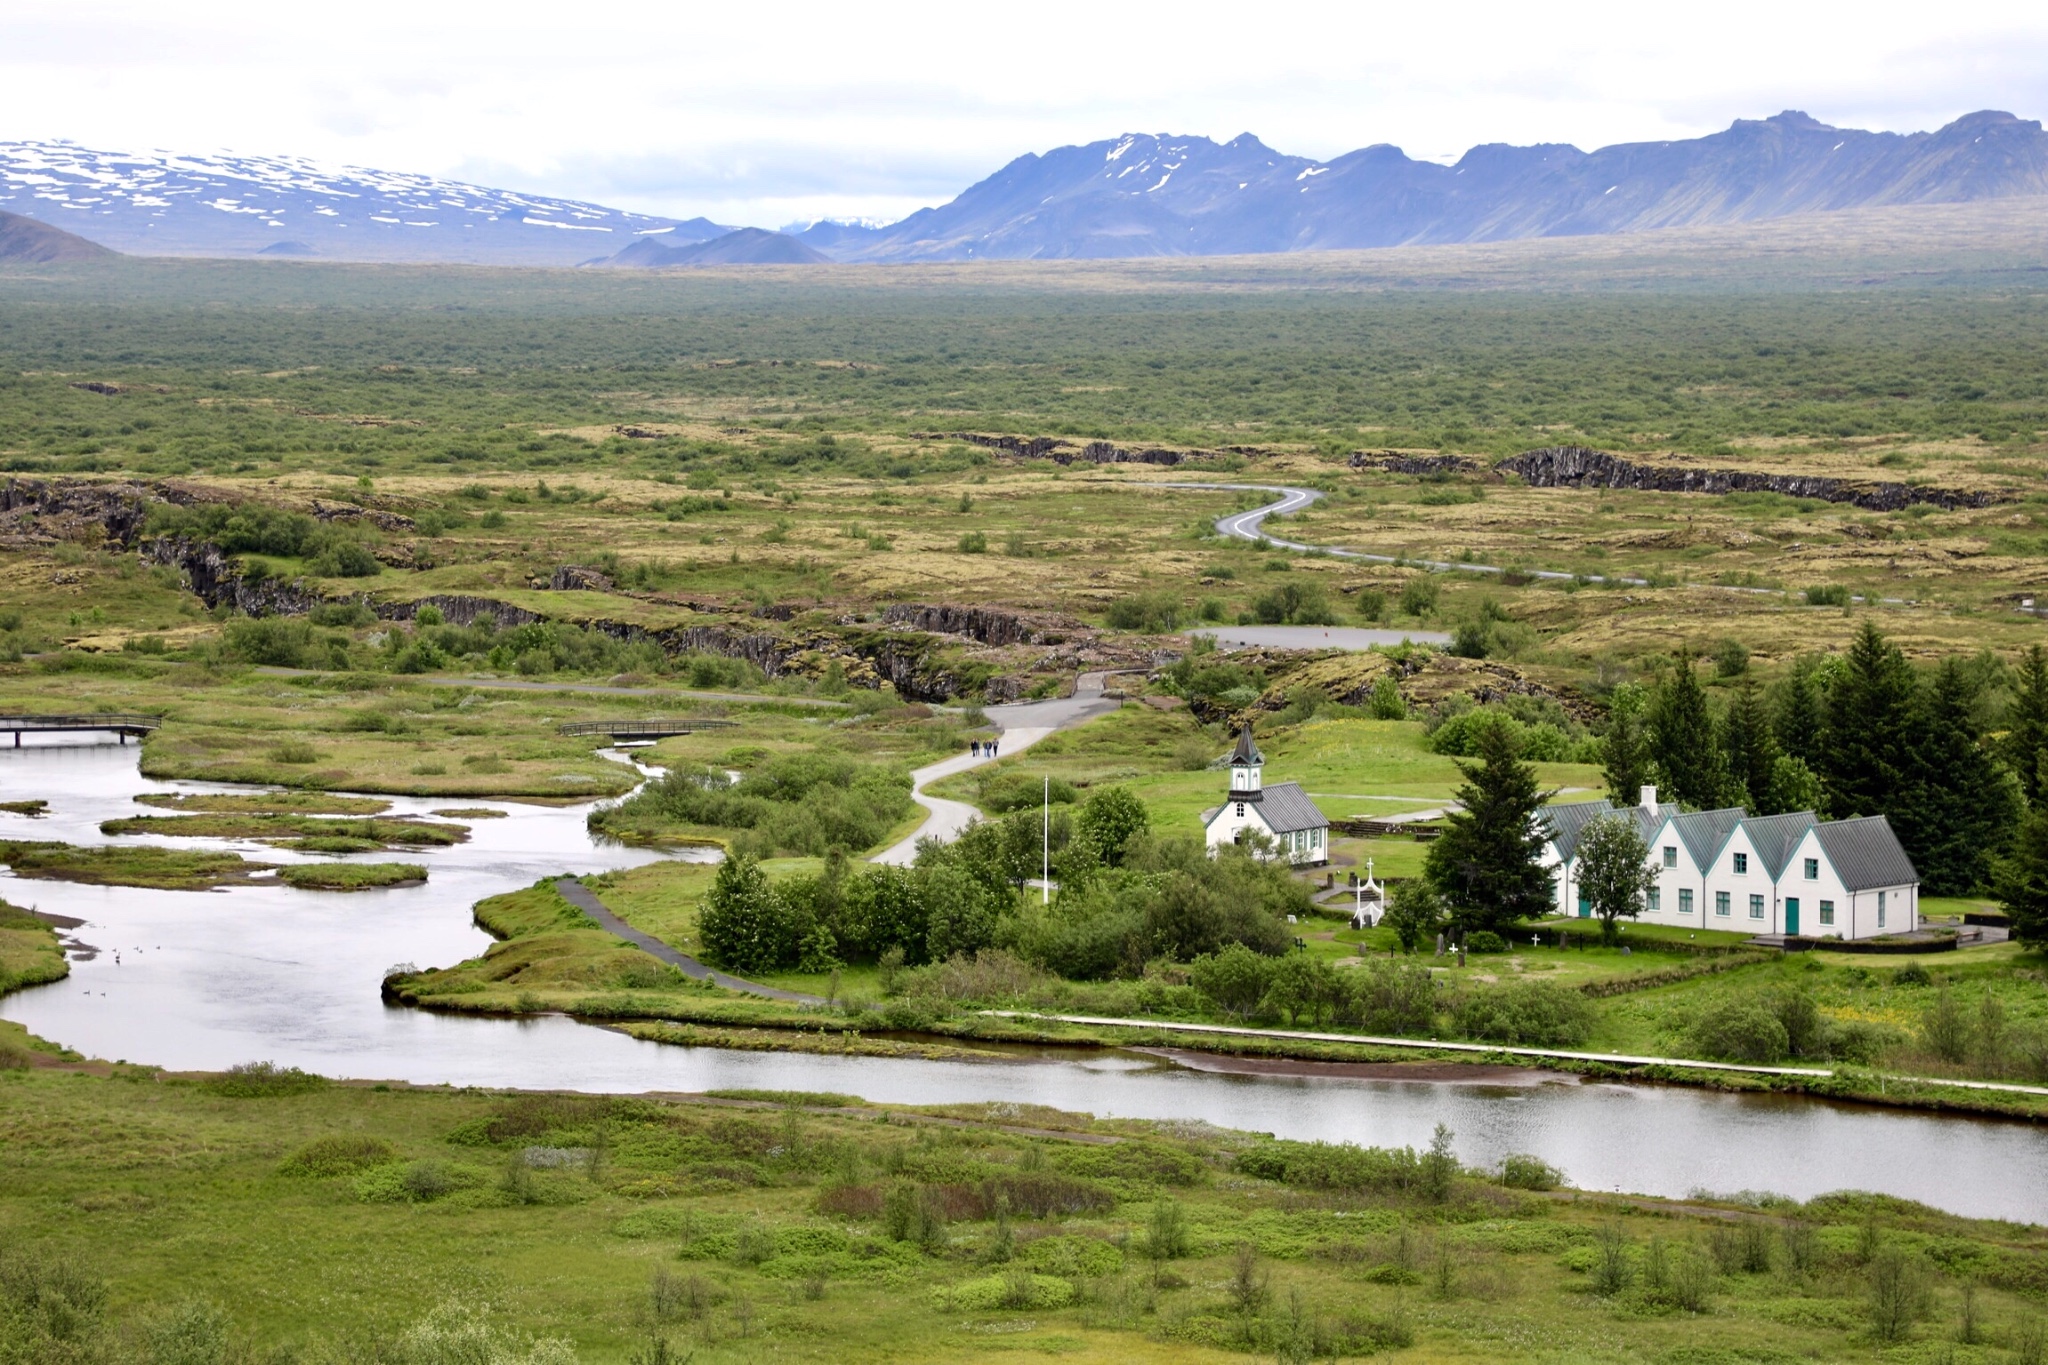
(1283, 813)
(1792, 874)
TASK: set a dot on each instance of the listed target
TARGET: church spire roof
(1247, 752)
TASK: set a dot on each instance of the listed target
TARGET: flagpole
(1045, 845)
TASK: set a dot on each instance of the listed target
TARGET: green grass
(29, 956)
(162, 869)
(333, 1220)
(351, 876)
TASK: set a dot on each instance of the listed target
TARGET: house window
(1741, 863)
(1827, 912)
(1656, 900)
(1756, 907)
(1240, 810)
(1880, 909)
(1670, 856)
(1721, 902)
(1813, 869)
(1685, 900)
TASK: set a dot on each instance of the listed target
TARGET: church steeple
(1245, 762)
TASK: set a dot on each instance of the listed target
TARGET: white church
(1283, 813)
(1726, 869)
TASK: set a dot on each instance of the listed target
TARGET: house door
(1791, 915)
(1585, 910)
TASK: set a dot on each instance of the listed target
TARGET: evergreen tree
(2026, 723)
(1866, 758)
(1615, 875)
(1959, 808)
(1683, 741)
(1625, 748)
(1488, 864)
(1752, 750)
(1800, 718)
(2022, 882)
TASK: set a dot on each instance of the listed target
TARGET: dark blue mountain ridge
(1156, 195)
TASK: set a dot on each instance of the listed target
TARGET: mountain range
(1131, 196)
(160, 204)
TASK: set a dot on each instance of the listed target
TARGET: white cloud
(689, 107)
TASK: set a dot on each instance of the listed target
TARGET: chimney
(1649, 801)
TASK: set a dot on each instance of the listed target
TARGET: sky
(766, 114)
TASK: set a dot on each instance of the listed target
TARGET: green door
(1791, 915)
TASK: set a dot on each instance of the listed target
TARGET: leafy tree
(1958, 810)
(1799, 719)
(2022, 882)
(1625, 748)
(1414, 912)
(1614, 872)
(1684, 742)
(1303, 986)
(881, 909)
(1386, 702)
(1233, 980)
(1866, 759)
(1794, 786)
(960, 913)
(1109, 819)
(1752, 749)
(2026, 722)
(745, 926)
(1487, 866)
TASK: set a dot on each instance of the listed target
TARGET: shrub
(1522, 1172)
(1485, 941)
(1153, 612)
(1388, 997)
(1298, 603)
(259, 1080)
(1419, 596)
(1741, 1031)
(1371, 604)
(974, 543)
(345, 559)
(1827, 595)
(1899, 1296)
(1530, 1013)
(338, 1154)
(1731, 659)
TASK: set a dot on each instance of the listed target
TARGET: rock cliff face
(67, 509)
(1066, 452)
(985, 625)
(1413, 464)
(217, 579)
(1580, 467)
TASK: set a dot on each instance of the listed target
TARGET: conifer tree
(1683, 742)
(1752, 750)
(1488, 864)
(1958, 810)
(1625, 748)
(1866, 756)
(2026, 723)
(1800, 717)
(2022, 882)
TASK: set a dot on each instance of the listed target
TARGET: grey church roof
(1865, 853)
(1287, 808)
(1775, 836)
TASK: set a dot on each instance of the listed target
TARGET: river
(204, 980)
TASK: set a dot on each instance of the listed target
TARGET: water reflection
(203, 980)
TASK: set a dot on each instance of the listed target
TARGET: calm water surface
(203, 980)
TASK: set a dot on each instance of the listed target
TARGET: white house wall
(1755, 881)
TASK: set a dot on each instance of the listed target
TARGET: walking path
(1019, 725)
(584, 899)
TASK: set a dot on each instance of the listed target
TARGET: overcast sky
(768, 113)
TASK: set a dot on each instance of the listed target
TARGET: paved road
(1020, 725)
(1251, 526)
(584, 899)
(596, 689)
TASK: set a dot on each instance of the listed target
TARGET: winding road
(1019, 725)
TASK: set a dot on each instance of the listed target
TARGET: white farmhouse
(1765, 874)
(1283, 813)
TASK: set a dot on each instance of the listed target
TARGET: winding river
(204, 980)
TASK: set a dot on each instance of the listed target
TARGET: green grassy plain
(334, 1221)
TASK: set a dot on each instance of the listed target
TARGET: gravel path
(584, 899)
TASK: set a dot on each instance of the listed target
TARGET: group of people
(983, 748)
